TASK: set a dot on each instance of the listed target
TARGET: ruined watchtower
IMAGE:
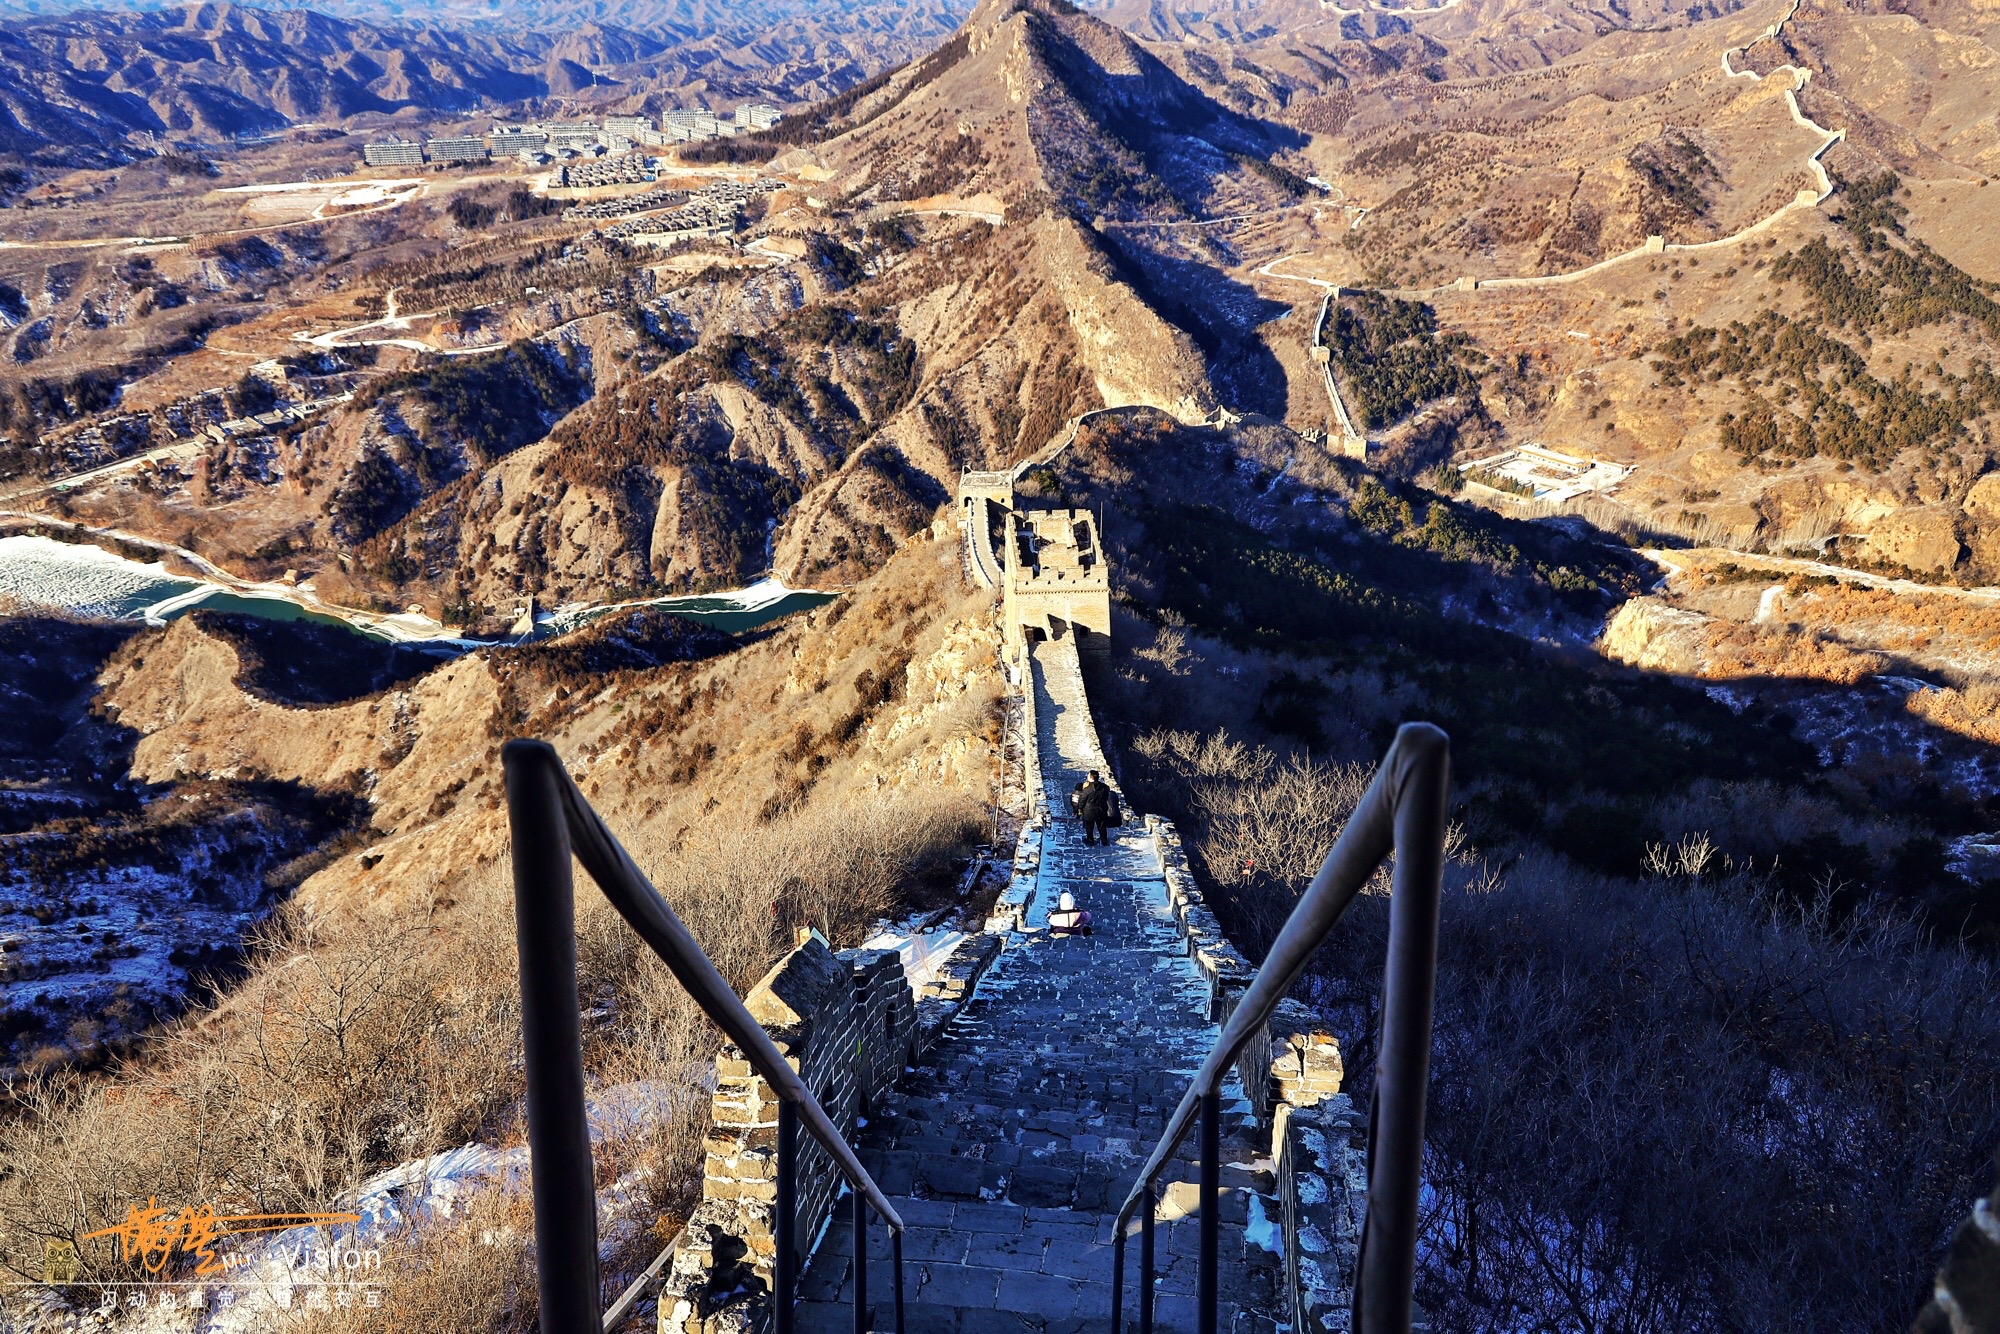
(1056, 580)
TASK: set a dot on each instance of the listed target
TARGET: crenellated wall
(1227, 971)
(848, 1022)
(1291, 1073)
(1055, 580)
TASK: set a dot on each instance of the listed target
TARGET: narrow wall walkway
(1010, 1149)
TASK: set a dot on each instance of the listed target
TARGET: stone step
(1065, 1313)
(1010, 1147)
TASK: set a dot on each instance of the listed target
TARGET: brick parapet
(951, 986)
(848, 1023)
(1292, 1073)
(1227, 972)
(1010, 909)
(1322, 1197)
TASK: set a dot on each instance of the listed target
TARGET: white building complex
(393, 153)
(618, 134)
(457, 148)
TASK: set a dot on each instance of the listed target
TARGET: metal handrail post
(552, 1041)
(784, 1221)
(550, 822)
(860, 1264)
(642, 907)
(1118, 1280)
(1146, 1262)
(1403, 810)
(1208, 1281)
(1385, 1272)
(896, 1253)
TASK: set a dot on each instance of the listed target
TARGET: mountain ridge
(219, 69)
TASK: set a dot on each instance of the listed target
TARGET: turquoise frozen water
(722, 611)
(39, 572)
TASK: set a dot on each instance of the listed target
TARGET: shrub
(1392, 359)
(360, 1043)
(1655, 1105)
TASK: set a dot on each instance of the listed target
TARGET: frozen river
(39, 572)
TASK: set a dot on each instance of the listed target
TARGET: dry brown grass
(380, 1023)
(469, 1272)
(367, 1036)
(1820, 627)
(344, 1051)
(1900, 622)
(1973, 711)
(1735, 651)
(361, 1044)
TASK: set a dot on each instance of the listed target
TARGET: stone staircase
(1007, 1104)
(1009, 1148)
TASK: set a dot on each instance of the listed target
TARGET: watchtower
(1056, 580)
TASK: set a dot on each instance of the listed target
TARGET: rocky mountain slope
(896, 682)
(120, 898)
(1049, 213)
(809, 417)
(211, 71)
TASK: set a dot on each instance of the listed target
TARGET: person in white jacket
(1066, 920)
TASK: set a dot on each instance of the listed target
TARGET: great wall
(1653, 245)
(1007, 1103)
(1354, 442)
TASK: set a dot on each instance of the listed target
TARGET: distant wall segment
(1056, 578)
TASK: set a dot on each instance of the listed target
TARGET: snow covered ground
(924, 952)
(741, 609)
(342, 1265)
(84, 580)
(285, 187)
(42, 572)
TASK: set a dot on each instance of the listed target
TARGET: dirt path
(1801, 202)
(1784, 566)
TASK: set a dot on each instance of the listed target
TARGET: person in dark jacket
(1092, 803)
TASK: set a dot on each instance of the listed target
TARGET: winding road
(1804, 200)
(393, 319)
(189, 447)
(1781, 567)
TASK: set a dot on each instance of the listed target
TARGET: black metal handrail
(1404, 809)
(549, 819)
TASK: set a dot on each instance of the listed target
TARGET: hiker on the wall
(1093, 803)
